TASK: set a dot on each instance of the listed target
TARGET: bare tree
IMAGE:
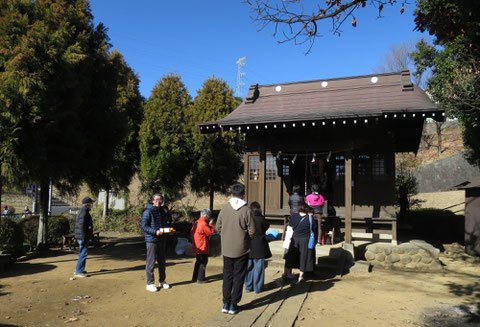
(297, 21)
(396, 59)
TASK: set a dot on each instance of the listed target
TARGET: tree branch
(289, 16)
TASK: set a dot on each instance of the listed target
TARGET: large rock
(415, 255)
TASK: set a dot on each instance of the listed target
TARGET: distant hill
(439, 169)
(451, 141)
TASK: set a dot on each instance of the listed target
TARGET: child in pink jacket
(316, 201)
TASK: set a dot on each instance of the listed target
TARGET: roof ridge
(327, 90)
(334, 79)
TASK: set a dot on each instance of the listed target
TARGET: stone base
(415, 255)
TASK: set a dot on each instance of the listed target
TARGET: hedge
(57, 226)
(11, 236)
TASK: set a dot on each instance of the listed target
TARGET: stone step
(59, 203)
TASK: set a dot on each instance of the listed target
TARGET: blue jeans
(255, 275)
(82, 256)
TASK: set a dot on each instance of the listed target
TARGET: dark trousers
(318, 217)
(234, 271)
(156, 251)
(200, 267)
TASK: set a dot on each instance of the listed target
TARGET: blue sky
(198, 39)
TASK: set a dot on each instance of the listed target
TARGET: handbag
(311, 240)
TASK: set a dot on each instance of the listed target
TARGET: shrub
(57, 226)
(30, 229)
(406, 187)
(11, 236)
(437, 224)
(71, 221)
(127, 220)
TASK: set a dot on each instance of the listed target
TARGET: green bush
(406, 187)
(127, 220)
(71, 221)
(437, 224)
(30, 229)
(11, 236)
(57, 226)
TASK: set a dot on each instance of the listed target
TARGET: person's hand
(158, 233)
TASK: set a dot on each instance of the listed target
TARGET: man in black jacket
(154, 225)
(83, 232)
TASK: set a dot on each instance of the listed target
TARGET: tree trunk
(212, 194)
(403, 205)
(1, 185)
(212, 177)
(105, 204)
(35, 200)
(43, 221)
(439, 137)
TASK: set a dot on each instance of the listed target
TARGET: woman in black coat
(259, 251)
(299, 255)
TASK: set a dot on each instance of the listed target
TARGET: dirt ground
(39, 292)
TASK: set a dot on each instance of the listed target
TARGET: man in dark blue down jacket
(83, 233)
(153, 223)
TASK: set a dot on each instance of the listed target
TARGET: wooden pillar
(246, 171)
(348, 197)
(263, 163)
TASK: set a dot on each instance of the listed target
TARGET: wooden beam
(348, 197)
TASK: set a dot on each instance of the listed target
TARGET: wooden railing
(336, 224)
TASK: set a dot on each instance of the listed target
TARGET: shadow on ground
(210, 279)
(26, 268)
(3, 293)
(286, 289)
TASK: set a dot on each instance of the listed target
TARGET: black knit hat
(87, 200)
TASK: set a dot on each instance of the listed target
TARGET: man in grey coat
(236, 226)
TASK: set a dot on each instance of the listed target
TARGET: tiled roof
(474, 183)
(350, 97)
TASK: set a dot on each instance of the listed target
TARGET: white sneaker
(151, 288)
(164, 285)
(80, 275)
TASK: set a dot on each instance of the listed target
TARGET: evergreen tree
(218, 157)
(454, 62)
(13, 88)
(55, 82)
(116, 171)
(165, 146)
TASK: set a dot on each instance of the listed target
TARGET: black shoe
(233, 310)
(225, 308)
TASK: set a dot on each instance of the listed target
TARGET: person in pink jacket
(316, 201)
(201, 231)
